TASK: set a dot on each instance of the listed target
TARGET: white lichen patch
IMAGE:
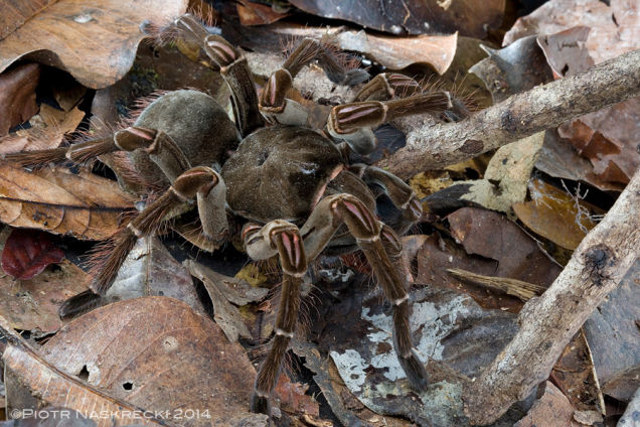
(435, 323)
(351, 367)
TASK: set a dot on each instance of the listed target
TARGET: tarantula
(291, 184)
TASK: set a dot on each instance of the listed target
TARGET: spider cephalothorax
(290, 184)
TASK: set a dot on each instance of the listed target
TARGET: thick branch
(547, 323)
(521, 115)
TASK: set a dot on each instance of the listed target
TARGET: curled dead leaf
(47, 130)
(32, 305)
(27, 253)
(18, 96)
(397, 53)
(83, 205)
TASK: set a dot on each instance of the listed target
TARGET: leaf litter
(347, 349)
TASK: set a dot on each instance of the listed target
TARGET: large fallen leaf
(33, 382)
(94, 40)
(506, 177)
(438, 255)
(18, 96)
(15, 14)
(559, 159)
(491, 235)
(575, 375)
(397, 53)
(83, 205)
(609, 139)
(614, 29)
(566, 52)
(412, 17)
(157, 354)
(513, 69)
(552, 405)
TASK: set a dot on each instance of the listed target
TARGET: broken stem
(543, 107)
(548, 323)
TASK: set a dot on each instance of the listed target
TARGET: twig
(547, 323)
(519, 289)
(540, 108)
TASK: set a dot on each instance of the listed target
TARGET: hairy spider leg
(201, 185)
(353, 122)
(387, 86)
(381, 247)
(401, 195)
(221, 56)
(274, 105)
(282, 238)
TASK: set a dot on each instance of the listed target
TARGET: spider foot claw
(260, 404)
(415, 370)
(79, 304)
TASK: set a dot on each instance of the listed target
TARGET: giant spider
(292, 185)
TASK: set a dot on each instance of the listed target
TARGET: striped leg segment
(282, 238)
(381, 246)
(191, 186)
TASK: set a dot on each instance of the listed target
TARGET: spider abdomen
(195, 121)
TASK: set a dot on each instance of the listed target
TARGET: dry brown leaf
(14, 14)
(47, 130)
(513, 69)
(32, 382)
(491, 235)
(83, 205)
(94, 40)
(149, 270)
(609, 137)
(559, 159)
(566, 52)
(157, 353)
(32, 305)
(397, 53)
(18, 96)
(614, 29)
(612, 332)
(252, 13)
(293, 398)
(413, 17)
(555, 215)
(574, 374)
(552, 405)
(226, 315)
